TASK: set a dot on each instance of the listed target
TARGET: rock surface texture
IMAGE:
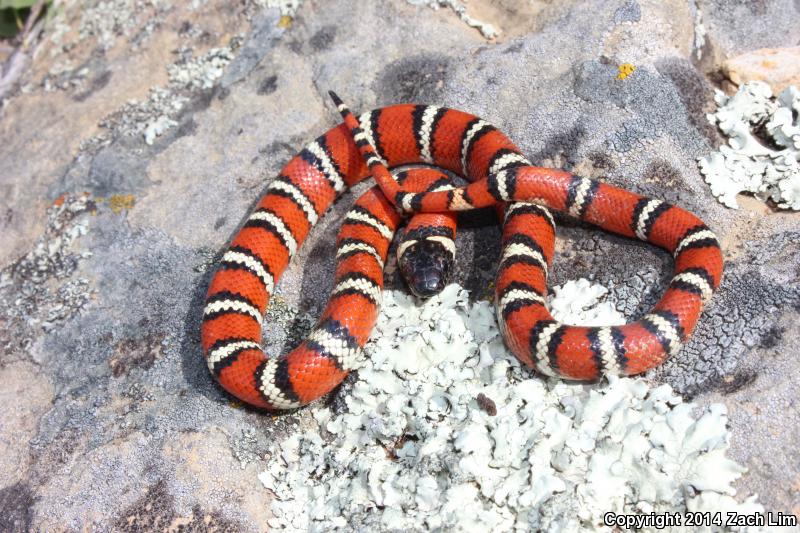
(779, 67)
(142, 133)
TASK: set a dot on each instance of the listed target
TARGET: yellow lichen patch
(625, 70)
(120, 202)
(285, 21)
(488, 295)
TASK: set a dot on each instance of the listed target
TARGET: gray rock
(737, 27)
(264, 35)
(117, 423)
(628, 12)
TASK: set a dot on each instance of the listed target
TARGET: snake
(376, 143)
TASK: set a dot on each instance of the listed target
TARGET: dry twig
(16, 63)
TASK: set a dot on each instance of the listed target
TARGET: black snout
(426, 266)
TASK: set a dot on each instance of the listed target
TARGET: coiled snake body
(499, 174)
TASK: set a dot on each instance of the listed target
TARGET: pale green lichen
(415, 450)
(156, 115)
(486, 29)
(288, 8)
(699, 30)
(110, 19)
(768, 167)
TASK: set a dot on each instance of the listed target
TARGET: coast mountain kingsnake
(499, 175)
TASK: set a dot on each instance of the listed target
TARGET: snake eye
(426, 266)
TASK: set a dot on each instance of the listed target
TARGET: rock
(737, 27)
(107, 242)
(778, 67)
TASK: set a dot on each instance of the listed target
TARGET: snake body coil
(499, 174)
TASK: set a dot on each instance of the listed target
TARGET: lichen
(119, 202)
(288, 8)
(625, 70)
(763, 151)
(203, 71)
(289, 322)
(580, 302)
(110, 19)
(444, 430)
(486, 29)
(36, 291)
(157, 114)
(699, 30)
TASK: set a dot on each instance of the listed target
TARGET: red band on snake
(499, 174)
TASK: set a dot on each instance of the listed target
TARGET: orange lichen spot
(120, 202)
(58, 202)
(285, 21)
(625, 70)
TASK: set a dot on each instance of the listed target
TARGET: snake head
(426, 264)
